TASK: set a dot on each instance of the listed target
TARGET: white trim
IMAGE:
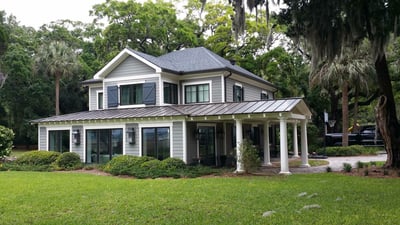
(184, 141)
(209, 82)
(238, 84)
(156, 125)
(58, 128)
(214, 125)
(130, 78)
(119, 59)
(97, 98)
(102, 127)
(161, 91)
(119, 95)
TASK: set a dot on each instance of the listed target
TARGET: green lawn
(74, 198)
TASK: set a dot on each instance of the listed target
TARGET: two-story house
(190, 104)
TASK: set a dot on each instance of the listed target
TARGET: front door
(206, 145)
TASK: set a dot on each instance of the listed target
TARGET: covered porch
(216, 131)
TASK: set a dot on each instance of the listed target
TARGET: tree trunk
(386, 118)
(57, 94)
(345, 114)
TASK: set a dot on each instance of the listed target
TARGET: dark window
(59, 140)
(103, 144)
(112, 93)
(131, 94)
(238, 94)
(156, 142)
(264, 96)
(197, 93)
(170, 93)
(100, 100)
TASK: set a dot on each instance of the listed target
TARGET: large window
(238, 93)
(170, 93)
(131, 94)
(103, 144)
(156, 142)
(59, 140)
(197, 93)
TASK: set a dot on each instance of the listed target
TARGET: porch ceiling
(292, 108)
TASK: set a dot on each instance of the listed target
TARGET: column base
(295, 156)
(285, 173)
(305, 165)
(267, 164)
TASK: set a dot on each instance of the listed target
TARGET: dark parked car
(367, 135)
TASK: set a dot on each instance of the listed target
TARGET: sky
(35, 13)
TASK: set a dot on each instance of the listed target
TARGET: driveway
(336, 163)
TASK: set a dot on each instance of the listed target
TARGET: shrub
(125, 164)
(6, 141)
(351, 150)
(37, 158)
(154, 164)
(249, 156)
(173, 163)
(69, 161)
(328, 169)
(347, 167)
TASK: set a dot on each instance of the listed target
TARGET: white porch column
(267, 158)
(284, 147)
(295, 141)
(304, 144)
(239, 140)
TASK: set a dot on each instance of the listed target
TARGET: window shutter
(234, 99)
(242, 94)
(149, 93)
(112, 95)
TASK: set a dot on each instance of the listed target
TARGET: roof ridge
(213, 55)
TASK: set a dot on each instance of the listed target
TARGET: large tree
(56, 59)
(331, 26)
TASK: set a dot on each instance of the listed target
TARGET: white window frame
(209, 82)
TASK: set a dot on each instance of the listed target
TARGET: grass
(75, 198)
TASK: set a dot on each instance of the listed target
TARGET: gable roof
(182, 62)
(292, 105)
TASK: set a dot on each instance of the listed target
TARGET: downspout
(225, 77)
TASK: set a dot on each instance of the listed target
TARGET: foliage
(249, 156)
(216, 200)
(352, 150)
(347, 167)
(125, 164)
(68, 161)
(6, 141)
(173, 163)
(37, 158)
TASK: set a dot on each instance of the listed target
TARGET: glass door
(206, 145)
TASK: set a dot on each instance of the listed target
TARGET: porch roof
(292, 105)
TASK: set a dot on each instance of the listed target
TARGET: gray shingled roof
(195, 110)
(196, 60)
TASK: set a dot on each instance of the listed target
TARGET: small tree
(249, 156)
(6, 141)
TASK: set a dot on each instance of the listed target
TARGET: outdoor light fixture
(76, 137)
(131, 136)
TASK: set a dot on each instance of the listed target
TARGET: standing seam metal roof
(195, 110)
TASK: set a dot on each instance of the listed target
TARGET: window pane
(100, 100)
(170, 93)
(116, 142)
(163, 143)
(125, 95)
(138, 94)
(148, 143)
(203, 93)
(191, 94)
(59, 141)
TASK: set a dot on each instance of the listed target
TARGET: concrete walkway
(335, 163)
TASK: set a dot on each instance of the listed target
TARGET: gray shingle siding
(177, 140)
(93, 97)
(133, 149)
(251, 93)
(79, 149)
(129, 68)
